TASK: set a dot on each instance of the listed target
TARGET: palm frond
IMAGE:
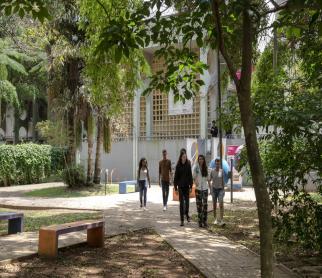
(12, 64)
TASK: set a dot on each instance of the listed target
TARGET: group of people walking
(206, 180)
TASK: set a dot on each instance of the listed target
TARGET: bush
(74, 176)
(28, 163)
(57, 155)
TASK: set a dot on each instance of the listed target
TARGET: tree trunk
(73, 83)
(71, 156)
(99, 141)
(90, 144)
(247, 118)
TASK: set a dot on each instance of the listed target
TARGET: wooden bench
(15, 221)
(124, 184)
(48, 236)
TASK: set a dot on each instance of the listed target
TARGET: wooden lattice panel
(142, 116)
(122, 125)
(172, 126)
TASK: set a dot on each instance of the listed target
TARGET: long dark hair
(140, 165)
(141, 162)
(182, 152)
(204, 168)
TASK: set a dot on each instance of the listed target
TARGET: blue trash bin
(122, 188)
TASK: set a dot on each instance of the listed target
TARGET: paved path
(214, 256)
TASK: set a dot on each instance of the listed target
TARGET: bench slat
(74, 226)
(10, 215)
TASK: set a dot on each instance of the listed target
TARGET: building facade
(155, 122)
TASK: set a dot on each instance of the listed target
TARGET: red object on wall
(231, 150)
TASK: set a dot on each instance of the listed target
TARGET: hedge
(29, 163)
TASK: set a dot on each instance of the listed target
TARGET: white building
(155, 122)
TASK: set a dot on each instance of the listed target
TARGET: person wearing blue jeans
(218, 191)
(143, 178)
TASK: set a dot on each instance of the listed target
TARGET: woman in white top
(200, 178)
(143, 178)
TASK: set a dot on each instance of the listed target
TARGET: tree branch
(101, 4)
(276, 8)
(274, 4)
(221, 45)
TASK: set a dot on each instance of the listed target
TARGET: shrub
(28, 163)
(57, 155)
(74, 176)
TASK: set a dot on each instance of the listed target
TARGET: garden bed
(242, 227)
(139, 254)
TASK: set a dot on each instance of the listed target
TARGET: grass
(64, 192)
(317, 197)
(241, 227)
(34, 219)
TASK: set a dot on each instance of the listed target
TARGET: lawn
(34, 219)
(64, 192)
(139, 254)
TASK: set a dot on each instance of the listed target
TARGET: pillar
(136, 131)
(203, 96)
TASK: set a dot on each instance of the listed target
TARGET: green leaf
(21, 13)
(199, 41)
(320, 29)
(118, 54)
(314, 18)
(7, 10)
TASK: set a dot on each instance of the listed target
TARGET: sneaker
(181, 224)
(222, 223)
(216, 222)
(164, 208)
(144, 208)
(188, 218)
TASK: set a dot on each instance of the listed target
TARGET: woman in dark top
(183, 184)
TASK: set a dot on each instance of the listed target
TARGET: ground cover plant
(242, 227)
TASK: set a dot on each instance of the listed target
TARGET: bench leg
(48, 243)
(95, 237)
(15, 225)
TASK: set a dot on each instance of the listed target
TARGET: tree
(110, 79)
(232, 26)
(36, 8)
(9, 60)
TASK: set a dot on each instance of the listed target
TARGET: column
(203, 96)
(136, 131)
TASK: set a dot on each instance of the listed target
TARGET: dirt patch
(242, 227)
(140, 254)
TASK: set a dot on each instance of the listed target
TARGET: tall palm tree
(103, 141)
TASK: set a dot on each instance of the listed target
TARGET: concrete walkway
(214, 256)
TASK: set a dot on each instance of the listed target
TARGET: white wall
(120, 157)
(152, 151)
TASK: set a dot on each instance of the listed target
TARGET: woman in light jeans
(142, 179)
(200, 178)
